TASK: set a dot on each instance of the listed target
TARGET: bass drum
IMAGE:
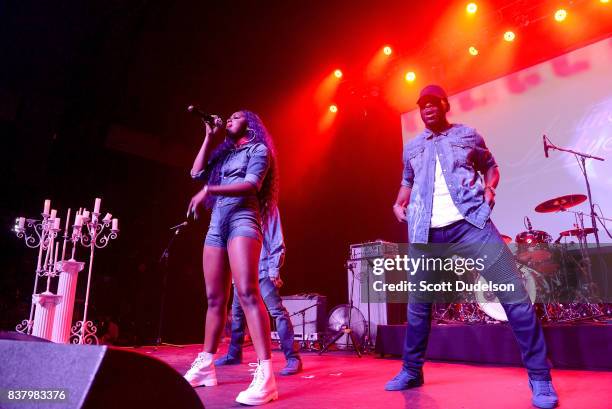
(490, 305)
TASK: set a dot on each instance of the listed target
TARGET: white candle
(21, 222)
(47, 206)
(78, 220)
(55, 260)
(53, 214)
(115, 224)
(108, 217)
(53, 269)
(85, 214)
(56, 223)
(97, 205)
(67, 223)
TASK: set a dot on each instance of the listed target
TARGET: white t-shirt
(444, 211)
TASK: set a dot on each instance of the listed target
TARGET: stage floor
(340, 379)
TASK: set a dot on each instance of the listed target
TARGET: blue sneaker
(294, 365)
(404, 380)
(228, 360)
(544, 394)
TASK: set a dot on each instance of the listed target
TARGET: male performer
(446, 196)
(270, 261)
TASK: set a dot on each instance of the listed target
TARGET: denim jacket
(273, 247)
(464, 158)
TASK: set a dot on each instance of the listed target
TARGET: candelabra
(88, 230)
(39, 234)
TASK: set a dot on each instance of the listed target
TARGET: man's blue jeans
(519, 309)
(277, 310)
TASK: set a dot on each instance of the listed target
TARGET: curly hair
(268, 194)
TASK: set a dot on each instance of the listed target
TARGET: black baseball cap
(430, 91)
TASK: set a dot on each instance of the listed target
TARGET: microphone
(178, 226)
(545, 146)
(192, 109)
(529, 226)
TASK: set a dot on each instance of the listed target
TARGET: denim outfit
(464, 157)
(237, 216)
(271, 259)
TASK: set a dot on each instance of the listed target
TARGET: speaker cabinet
(91, 377)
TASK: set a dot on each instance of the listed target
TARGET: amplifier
(381, 312)
(308, 313)
(373, 249)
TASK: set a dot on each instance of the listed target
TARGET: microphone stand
(302, 312)
(163, 262)
(594, 217)
(346, 330)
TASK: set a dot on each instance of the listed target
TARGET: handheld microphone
(206, 117)
(545, 146)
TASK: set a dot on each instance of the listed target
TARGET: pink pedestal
(44, 314)
(66, 288)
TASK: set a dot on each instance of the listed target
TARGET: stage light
(410, 76)
(473, 50)
(333, 109)
(338, 74)
(387, 50)
(604, 1)
(560, 15)
(471, 8)
(509, 36)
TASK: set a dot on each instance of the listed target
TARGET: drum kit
(558, 281)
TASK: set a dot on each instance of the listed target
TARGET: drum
(488, 302)
(533, 246)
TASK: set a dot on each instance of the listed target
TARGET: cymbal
(577, 232)
(560, 203)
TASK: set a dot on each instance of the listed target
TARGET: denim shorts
(228, 222)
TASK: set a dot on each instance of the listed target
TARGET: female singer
(238, 166)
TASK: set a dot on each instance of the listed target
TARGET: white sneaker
(202, 371)
(263, 387)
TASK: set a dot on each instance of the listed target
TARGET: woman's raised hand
(215, 132)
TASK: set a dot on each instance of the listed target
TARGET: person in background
(270, 262)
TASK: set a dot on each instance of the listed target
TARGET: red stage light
(338, 74)
(509, 36)
(560, 15)
(387, 50)
(473, 50)
(471, 8)
(410, 76)
(333, 108)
